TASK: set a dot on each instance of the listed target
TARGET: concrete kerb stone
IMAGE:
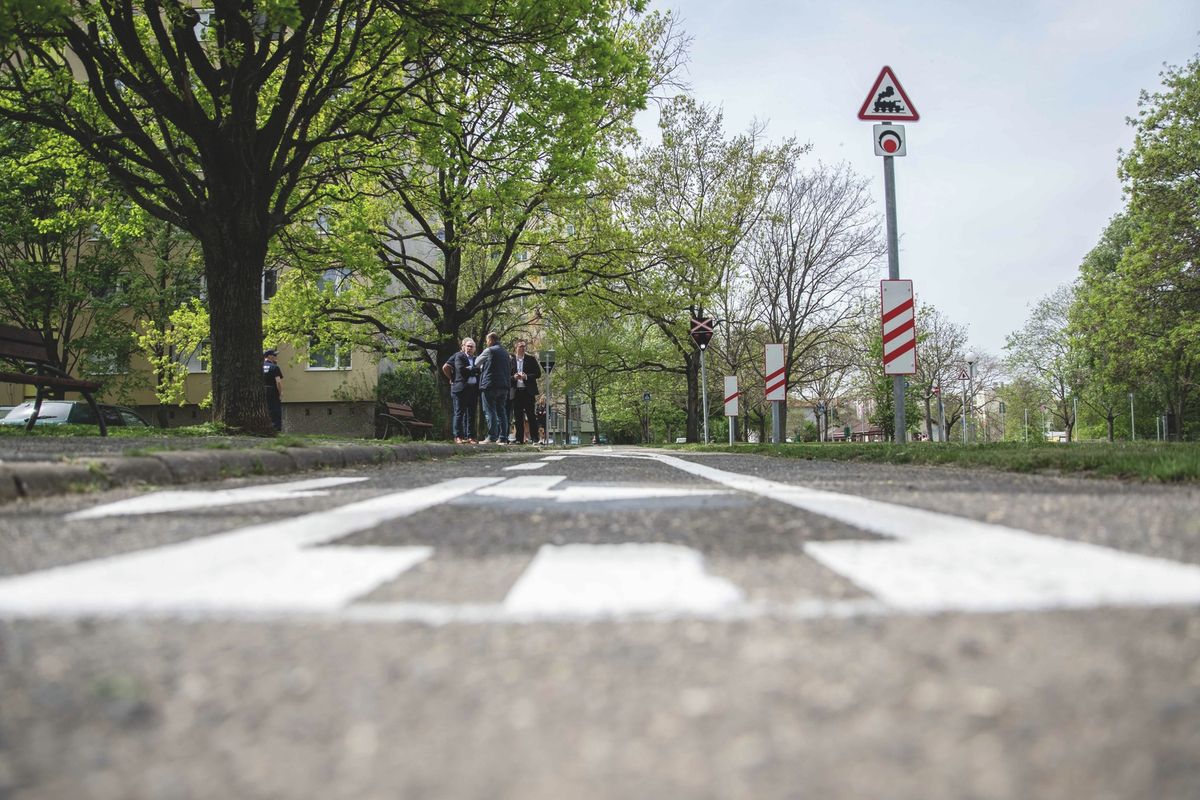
(308, 458)
(188, 465)
(8, 485)
(38, 479)
(42, 479)
(123, 471)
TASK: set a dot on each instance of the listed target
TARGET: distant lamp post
(968, 393)
(548, 367)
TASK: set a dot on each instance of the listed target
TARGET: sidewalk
(42, 466)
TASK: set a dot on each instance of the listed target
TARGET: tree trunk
(233, 270)
(1111, 419)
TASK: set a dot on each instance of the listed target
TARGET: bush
(415, 387)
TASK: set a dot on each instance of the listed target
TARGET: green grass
(1147, 461)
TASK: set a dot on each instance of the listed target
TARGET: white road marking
(541, 487)
(529, 465)
(170, 500)
(938, 562)
(270, 567)
(553, 458)
(590, 581)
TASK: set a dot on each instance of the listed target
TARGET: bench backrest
(23, 345)
(400, 410)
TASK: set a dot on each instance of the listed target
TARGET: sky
(1011, 172)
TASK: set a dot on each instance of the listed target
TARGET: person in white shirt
(525, 372)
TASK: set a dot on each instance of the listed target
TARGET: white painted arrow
(274, 567)
(172, 500)
(937, 562)
(541, 487)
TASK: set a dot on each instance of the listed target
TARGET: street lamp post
(548, 367)
(969, 394)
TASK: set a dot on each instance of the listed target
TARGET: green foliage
(186, 330)
(1177, 463)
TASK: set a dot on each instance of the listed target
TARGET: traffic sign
(731, 396)
(899, 328)
(776, 380)
(887, 100)
(702, 331)
(963, 375)
(645, 397)
(890, 140)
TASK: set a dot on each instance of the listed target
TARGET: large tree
(65, 245)
(808, 259)
(693, 200)
(493, 191)
(229, 123)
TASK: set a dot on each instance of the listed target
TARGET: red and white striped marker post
(731, 403)
(899, 328)
(776, 388)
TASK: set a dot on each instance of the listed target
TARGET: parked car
(74, 412)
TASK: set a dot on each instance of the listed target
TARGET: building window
(328, 356)
(335, 279)
(197, 359)
(270, 283)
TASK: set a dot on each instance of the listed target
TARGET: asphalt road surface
(604, 623)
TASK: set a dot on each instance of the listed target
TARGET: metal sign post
(776, 388)
(731, 404)
(702, 331)
(887, 102)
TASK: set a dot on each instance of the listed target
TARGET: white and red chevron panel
(899, 328)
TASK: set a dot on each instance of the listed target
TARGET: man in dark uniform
(273, 386)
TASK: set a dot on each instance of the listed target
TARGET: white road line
(553, 458)
(938, 562)
(170, 500)
(528, 466)
(591, 581)
(270, 567)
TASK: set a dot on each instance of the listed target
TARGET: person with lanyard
(273, 387)
(525, 372)
(459, 369)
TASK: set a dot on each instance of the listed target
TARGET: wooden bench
(27, 352)
(401, 416)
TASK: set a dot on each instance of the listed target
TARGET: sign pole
(889, 191)
(704, 390)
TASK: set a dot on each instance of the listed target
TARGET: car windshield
(50, 410)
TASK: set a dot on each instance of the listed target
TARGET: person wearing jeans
(459, 369)
(494, 369)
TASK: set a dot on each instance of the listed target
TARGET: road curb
(35, 479)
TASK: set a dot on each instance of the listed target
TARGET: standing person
(539, 411)
(525, 372)
(494, 369)
(273, 386)
(459, 369)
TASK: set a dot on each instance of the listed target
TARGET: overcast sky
(1011, 172)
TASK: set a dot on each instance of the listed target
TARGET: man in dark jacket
(494, 369)
(525, 372)
(459, 369)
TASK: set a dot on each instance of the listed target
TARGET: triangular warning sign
(887, 100)
(963, 375)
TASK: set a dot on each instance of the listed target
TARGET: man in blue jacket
(494, 369)
(459, 369)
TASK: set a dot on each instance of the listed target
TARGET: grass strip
(1147, 461)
